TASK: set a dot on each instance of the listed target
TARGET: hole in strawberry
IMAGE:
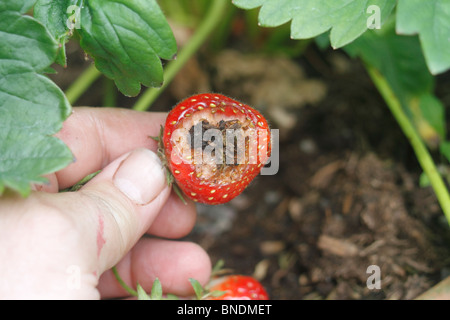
(232, 145)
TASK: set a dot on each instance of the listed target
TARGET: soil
(346, 195)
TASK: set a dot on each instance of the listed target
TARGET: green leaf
(433, 112)
(20, 6)
(32, 107)
(445, 149)
(398, 58)
(55, 16)
(424, 181)
(156, 293)
(217, 267)
(141, 294)
(217, 293)
(347, 19)
(431, 20)
(198, 289)
(127, 39)
(25, 40)
(428, 115)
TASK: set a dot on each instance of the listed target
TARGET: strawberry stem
(81, 183)
(423, 156)
(179, 192)
(82, 83)
(169, 176)
(123, 284)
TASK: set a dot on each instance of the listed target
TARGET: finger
(172, 262)
(50, 186)
(96, 136)
(175, 220)
(127, 196)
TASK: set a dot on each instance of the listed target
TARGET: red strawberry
(238, 287)
(215, 146)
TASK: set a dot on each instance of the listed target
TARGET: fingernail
(140, 176)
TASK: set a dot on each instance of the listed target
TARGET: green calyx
(162, 156)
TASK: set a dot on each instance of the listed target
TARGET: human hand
(63, 245)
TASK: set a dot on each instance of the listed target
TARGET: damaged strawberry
(214, 147)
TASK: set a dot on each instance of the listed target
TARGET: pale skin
(63, 245)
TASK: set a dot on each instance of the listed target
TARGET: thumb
(124, 199)
(47, 234)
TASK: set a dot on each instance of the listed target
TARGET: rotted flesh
(219, 148)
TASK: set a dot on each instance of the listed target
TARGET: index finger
(96, 136)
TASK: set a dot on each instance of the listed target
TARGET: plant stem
(422, 154)
(123, 284)
(109, 93)
(212, 19)
(82, 83)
